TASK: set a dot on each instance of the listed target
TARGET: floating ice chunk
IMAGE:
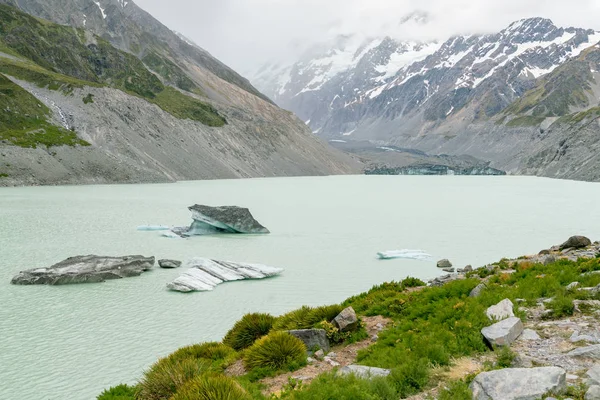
(153, 228)
(171, 235)
(405, 253)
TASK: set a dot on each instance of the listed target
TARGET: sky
(246, 34)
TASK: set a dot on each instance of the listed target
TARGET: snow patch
(338, 141)
(348, 133)
(101, 9)
(416, 52)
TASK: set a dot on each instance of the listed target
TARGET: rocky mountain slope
(495, 97)
(118, 97)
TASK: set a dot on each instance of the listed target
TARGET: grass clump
(561, 306)
(307, 317)
(524, 121)
(505, 357)
(165, 377)
(120, 392)
(349, 387)
(276, 351)
(89, 98)
(212, 388)
(218, 355)
(458, 390)
(248, 329)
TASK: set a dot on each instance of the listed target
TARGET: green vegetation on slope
(24, 120)
(170, 72)
(525, 120)
(64, 58)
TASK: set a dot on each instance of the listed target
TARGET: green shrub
(458, 390)
(120, 392)
(277, 351)
(166, 376)
(307, 317)
(505, 357)
(412, 282)
(330, 386)
(410, 378)
(212, 388)
(248, 329)
(212, 351)
(561, 307)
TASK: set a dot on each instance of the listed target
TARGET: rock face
(169, 264)
(576, 242)
(444, 264)
(312, 338)
(518, 383)
(204, 274)
(592, 352)
(501, 311)
(364, 372)
(346, 320)
(593, 376)
(85, 269)
(504, 332)
(224, 219)
(593, 393)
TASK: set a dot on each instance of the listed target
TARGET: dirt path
(343, 355)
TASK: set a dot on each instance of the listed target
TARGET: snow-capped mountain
(379, 88)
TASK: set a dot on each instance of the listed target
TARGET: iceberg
(152, 228)
(209, 220)
(405, 253)
(204, 274)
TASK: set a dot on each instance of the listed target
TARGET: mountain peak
(419, 17)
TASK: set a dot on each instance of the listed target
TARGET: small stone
(333, 363)
(374, 338)
(346, 320)
(529, 335)
(593, 393)
(379, 326)
(572, 286)
(310, 360)
(549, 259)
(477, 290)
(504, 332)
(571, 377)
(332, 355)
(501, 311)
(169, 264)
(444, 263)
(319, 354)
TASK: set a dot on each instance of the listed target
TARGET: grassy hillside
(61, 57)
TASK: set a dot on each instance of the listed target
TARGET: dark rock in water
(444, 264)
(576, 242)
(225, 219)
(85, 269)
(169, 264)
(314, 339)
(346, 320)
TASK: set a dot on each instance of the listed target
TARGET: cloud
(248, 33)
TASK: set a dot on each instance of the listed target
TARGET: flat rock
(363, 372)
(224, 219)
(518, 383)
(346, 320)
(169, 264)
(314, 339)
(503, 333)
(444, 264)
(593, 393)
(592, 352)
(85, 269)
(593, 375)
(501, 311)
(576, 242)
(529, 335)
(204, 274)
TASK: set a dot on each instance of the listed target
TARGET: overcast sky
(247, 33)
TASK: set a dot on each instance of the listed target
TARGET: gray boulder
(363, 372)
(169, 264)
(576, 242)
(346, 320)
(468, 268)
(501, 311)
(477, 290)
(592, 352)
(593, 393)
(593, 376)
(450, 270)
(518, 383)
(314, 339)
(224, 219)
(85, 269)
(503, 333)
(444, 264)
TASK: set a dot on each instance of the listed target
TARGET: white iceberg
(405, 253)
(153, 228)
(204, 274)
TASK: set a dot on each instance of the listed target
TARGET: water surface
(70, 342)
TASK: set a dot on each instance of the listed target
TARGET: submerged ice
(405, 253)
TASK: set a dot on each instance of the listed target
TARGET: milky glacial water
(70, 342)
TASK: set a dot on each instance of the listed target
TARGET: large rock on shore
(576, 242)
(504, 332)
(346, 320)
(204, 274)
(518, 383)
(85, 269)
(444, 264)
(224, 219)
(314, 339)
(501, 311)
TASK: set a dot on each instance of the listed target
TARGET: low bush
(410, 378)
(248, 329)
(276, 351)
(307, 317)
(212, 388)
(505, 357)
(458, 390)
(561, 306)
(166, 376)
(120, 392)
(350, 387)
